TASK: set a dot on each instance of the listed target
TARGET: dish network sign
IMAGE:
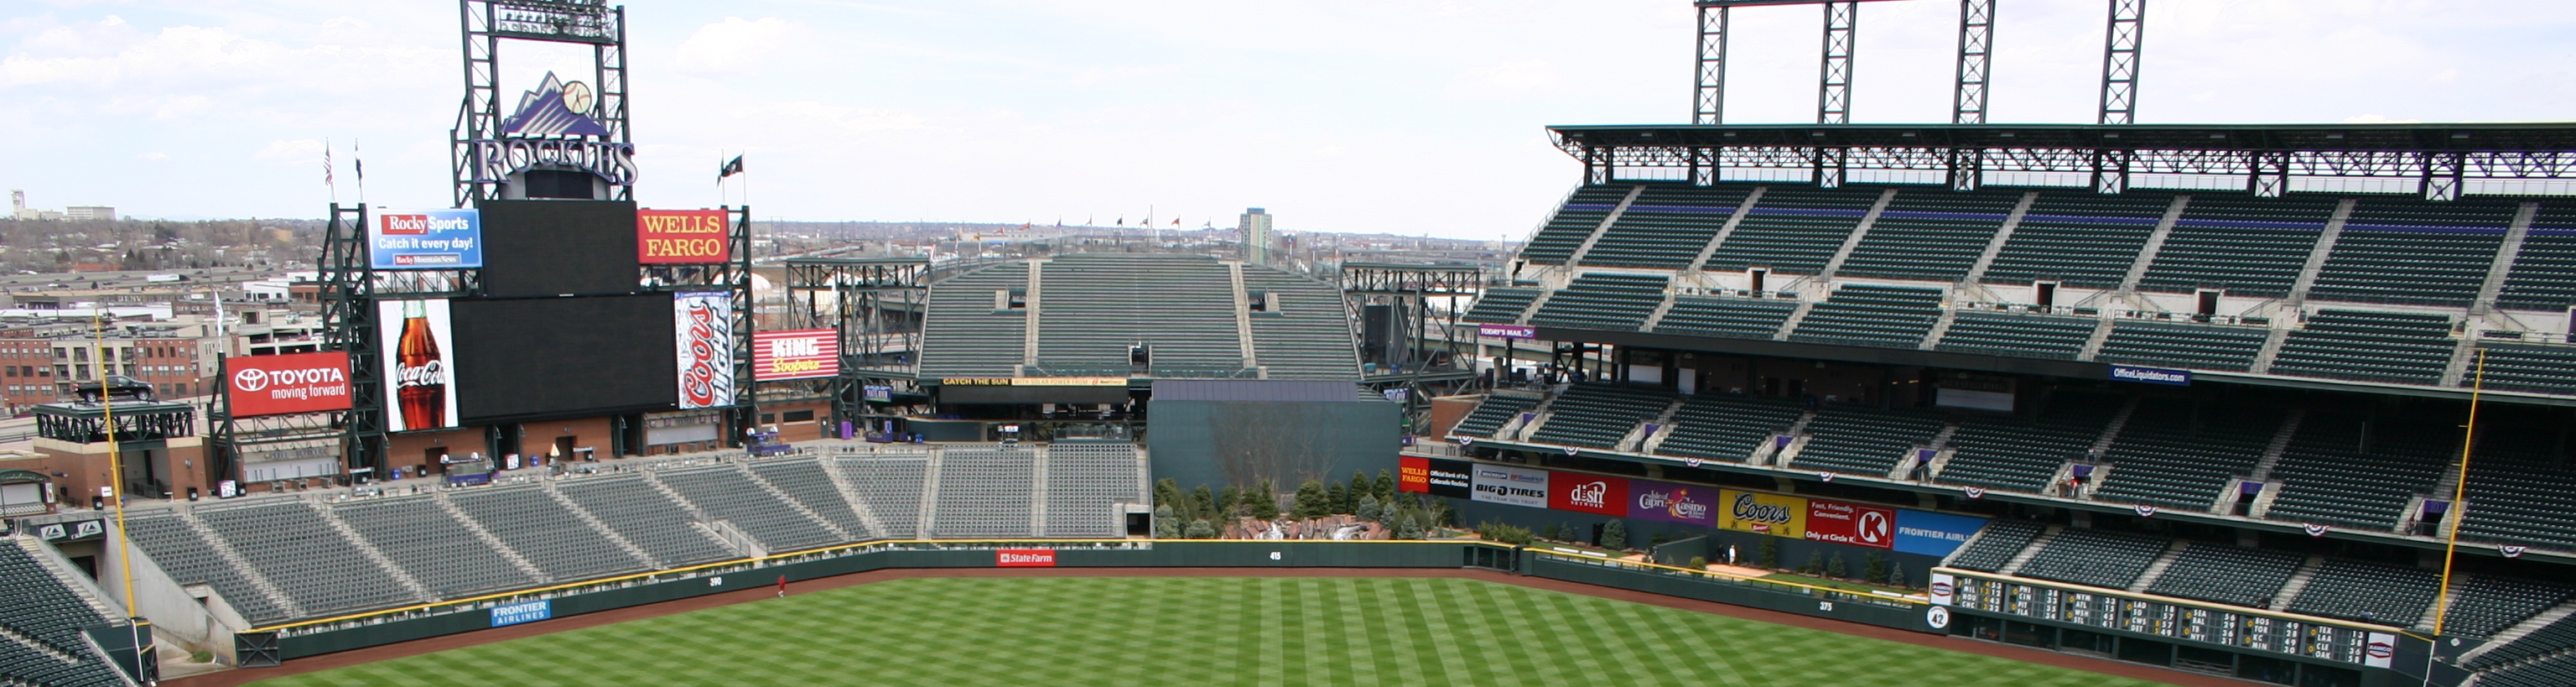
(281, 384)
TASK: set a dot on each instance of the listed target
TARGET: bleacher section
(2244, 245)
(724, 494)
(1573, 223)
(1095, 305)
(2517, 493)
(2078, 239)
(1498, 306)
(984, 492)
(1852, 439)
(1726, 427)
(1599, 415)
(663, 528)
(541, 530)
(174, 545)
(2094, 557)
(2401, 348)
(2190, 346)
(2368, 592)
(1930, 234)
(2555, 671)
(2174, 454)
(1738, 318)
(1085, 481)
(2488, 604)
(37, 604)
(1666, 226)
(1491, 415)
(1306, 331)
(962, 312)
(419, 537)
(2327, 476)
(2036, 336)
(2227, 574)
(2014, 454)
(1996, 544)
(304, 556)
(2548, 639)
(2544, 369)
(2412, 251)
(2543, 276)
(1609, 302)
(892, 488)
(1870, 315)
(1793, 229)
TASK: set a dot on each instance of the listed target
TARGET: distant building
(81, 213)
(1256, 236)
(18, 209)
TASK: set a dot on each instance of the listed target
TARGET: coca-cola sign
(703, 323)
(414, 339)
(282, 384)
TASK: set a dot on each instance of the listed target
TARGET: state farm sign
(1024, 558)
(292, 383)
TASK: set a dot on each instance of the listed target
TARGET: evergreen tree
(1838, 568)
(1202, 503)
(1166, 525)
(1340, 497)
(1312, 502)
(1815, 564)
(1265, 505)
(1228, 502)
(1370, 510)
(1200, 529)
(1768, 553)
(1167, 492)
(1614, 535)
(1385, 485)
(1361, 485)
(1408, 528)
(1874, 569)
(1895, 574)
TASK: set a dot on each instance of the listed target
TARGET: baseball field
(1198, 631)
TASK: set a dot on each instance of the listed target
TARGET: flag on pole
(730, 168)
(326, 166)
(358, 159)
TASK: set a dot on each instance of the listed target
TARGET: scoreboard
(2166, 619)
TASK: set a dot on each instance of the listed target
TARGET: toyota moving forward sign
(292, 383)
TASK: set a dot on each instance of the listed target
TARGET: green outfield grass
(1199, 631)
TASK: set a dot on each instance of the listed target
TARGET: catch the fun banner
(703, 323)
(681, 237)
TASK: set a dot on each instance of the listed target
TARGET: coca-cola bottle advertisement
(419, 373)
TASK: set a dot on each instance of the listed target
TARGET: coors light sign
(420, 373)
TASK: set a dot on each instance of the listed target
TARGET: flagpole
(2451, 549)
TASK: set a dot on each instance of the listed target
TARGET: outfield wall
(268, 645)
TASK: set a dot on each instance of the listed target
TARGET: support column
(1709, 99)
(1833, 96)
(1976, 38)
(2121, 42)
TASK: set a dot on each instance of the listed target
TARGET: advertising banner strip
(1934, 534)
(1772, 514)
(681, 237)
(1507, 331)
(1595, 494)
(1675, 503)
(1515, 486)
(2151, 375)
(703, 325)
(1024, 558)
(283, 384)
(419, 370)
(529, 612)
(446, 239)
(1855, 525)
(797, 354)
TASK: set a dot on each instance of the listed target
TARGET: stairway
(1940, 328)
(2271, 349)
(1732, 220)
(1859, 231)
(359, 544)
(2280, 444)
(81, 584)
(467, 523)
(2317, 255)
(1031, 318)
(233, 557)
(850, 492)
(2157, 569)
(1638, 441)
(2111, 432)
(604, 530)
(1038, 479)
(1795, 316)
(1977, 271)
(2014, 564)
(1576, 258)
(2155, 244)
(792, 504)
(921, 526)
(2298, 582)
(1242, 316)
(2093, 344)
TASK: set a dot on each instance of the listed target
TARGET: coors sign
(420, 372)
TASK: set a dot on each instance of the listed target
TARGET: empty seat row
(1853, 439)
(1598, 415)
(1871, 315)
(2017, 454)
(1491, 415)
(2083, 240)
(2095, 558)
(2403, 348)
(2227, 574)
(1930, 234)
(2243, 245)
(1739, 318)
(2036, 336)
(2368, 592)
(1666, 227)
(1996, 544)
(1573, 223)
(1793, 230)
(1606, 302)
(1726, 427)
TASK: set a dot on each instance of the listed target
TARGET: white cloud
(735, 44)
(1508, 81)
(297, 150)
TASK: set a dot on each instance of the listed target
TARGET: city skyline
(1401, 119)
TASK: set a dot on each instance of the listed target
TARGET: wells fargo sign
(681, 237)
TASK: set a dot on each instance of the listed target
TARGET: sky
(1391, 116)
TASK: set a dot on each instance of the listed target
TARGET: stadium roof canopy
(2440, 158)
(1128, 316)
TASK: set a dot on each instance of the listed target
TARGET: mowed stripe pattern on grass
(1199, 631)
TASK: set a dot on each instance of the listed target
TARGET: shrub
(1552, 531)
(1815, 564)
(1370, 509)
(1874, 569)
(1838, 568)
(1200, 529)
(1699, 563)
(1166, 525)
(1768, 554)
(1615, 535)
(1502, 533)
(1408, 528)
(1265, 502)
(1659, 540)
(1338, 498)
(1312, 502)
(1895, 574)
